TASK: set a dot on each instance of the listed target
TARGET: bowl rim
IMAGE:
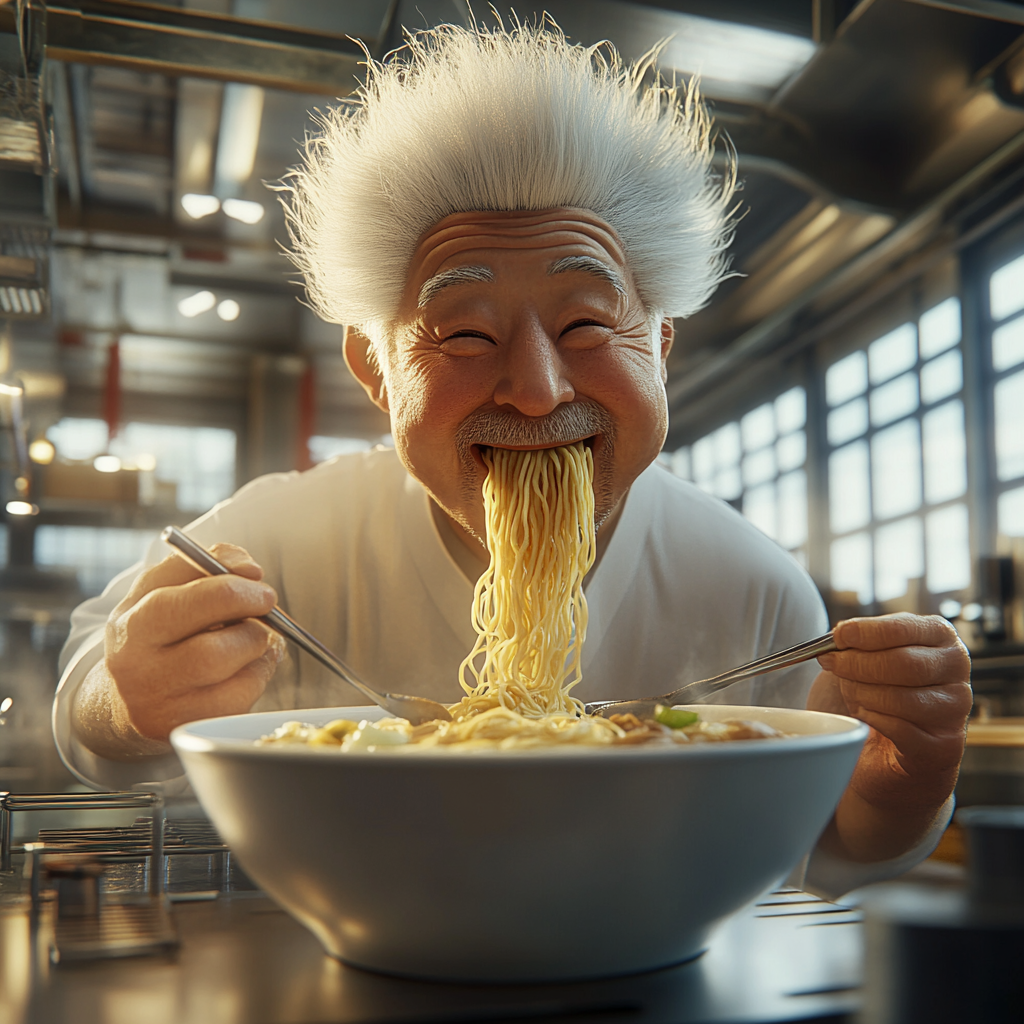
(186, 741)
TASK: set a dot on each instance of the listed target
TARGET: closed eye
(470, 334)
(582, 323)
(467, 343)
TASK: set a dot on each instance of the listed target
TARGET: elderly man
(512, 222)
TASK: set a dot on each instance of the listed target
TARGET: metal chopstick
(275, 618)
(697, 691)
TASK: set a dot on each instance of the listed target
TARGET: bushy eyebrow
(588, 265)
(447, 278)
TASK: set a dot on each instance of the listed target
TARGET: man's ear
(364, 366)
(668, 335)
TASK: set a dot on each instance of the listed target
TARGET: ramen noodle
(530, 616)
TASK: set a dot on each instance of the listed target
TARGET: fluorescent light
(107, 463)
(21, 508)
(727, 52)
(198, 206)
(197, 303)
(6, 704)
(240, 120)
(228, 310)
(245, 210)
(41, 451)
(10, 389)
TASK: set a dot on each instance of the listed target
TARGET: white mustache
(507, 429)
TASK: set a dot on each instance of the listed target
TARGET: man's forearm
(100, 721)
(861, 831)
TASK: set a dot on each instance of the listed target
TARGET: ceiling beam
(177, 42)
(798, 322)
(994, 10)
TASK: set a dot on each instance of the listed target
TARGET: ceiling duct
(25, 167)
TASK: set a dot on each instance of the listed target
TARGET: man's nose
(532, 379)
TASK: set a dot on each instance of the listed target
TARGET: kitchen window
(97, 553)
(1006, 310)
(897, 461)
(757, 464)
(200, 461)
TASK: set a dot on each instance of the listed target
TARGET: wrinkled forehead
(549, 235)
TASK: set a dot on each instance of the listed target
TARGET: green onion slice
(674, 718)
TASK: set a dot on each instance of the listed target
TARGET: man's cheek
(618, 368)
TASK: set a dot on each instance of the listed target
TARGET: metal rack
(150, 839)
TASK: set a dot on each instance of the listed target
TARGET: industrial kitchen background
(856, 389)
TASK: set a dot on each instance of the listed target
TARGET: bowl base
(463, 978)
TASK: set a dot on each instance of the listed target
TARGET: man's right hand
(180, 646)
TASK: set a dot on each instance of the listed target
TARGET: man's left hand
(908, 677)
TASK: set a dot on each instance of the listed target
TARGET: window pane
(791, 522)
(849, 500)
(759, 467)
(1006, 289)
(759, 508)
(200, 460)
(940, 328)
(322, 447)
(851, 566)
(727, 445)
(791, 451)
(680, 463)
(1009, 402)
(758, 427)
(945, 452)
(894, 400)
(791, 410)
(899, 556)
(1007, 344)
(78, 438)
(703, 453)
(1011, 512)
(98, 553)
(896, 469)
(728, 484)
(893, 353)
(847, 422)
(846, 379)
(942, 377)
(949, 549)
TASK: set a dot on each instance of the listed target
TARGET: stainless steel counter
(242, 959)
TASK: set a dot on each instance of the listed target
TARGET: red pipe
(112, 391)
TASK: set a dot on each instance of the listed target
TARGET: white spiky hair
(462, 120)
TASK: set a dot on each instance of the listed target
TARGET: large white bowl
(523, 865)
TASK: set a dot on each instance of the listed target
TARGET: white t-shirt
(686, 588)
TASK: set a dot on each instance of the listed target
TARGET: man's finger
(901, 666)
(197, 662)
(919, 752)
(209, 658)
(899, 629)
(229, 697)
(930, 708)
(174, 570)
(170, 614)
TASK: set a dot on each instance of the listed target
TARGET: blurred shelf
(998, 661)
(122, 515)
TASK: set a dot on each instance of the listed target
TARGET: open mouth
(592, 442)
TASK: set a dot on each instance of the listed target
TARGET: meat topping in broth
(669, 727)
